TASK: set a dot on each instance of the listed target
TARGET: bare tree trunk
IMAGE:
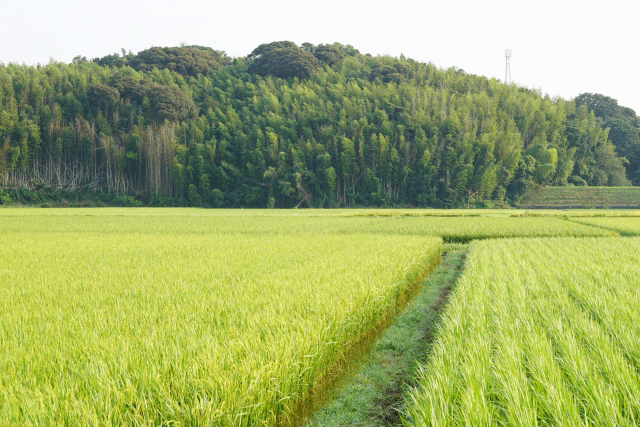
(157, 151)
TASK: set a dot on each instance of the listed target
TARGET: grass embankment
(374, 396)
(583, 197)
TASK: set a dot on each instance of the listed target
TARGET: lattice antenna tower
(507, 70)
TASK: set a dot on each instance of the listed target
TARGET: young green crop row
(149, 329)
(539, 332)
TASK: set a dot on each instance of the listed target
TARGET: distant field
(452, 226)
(585, 213)
(627, 226)
(584, 197)
(466, 229)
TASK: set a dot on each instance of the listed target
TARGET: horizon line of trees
(312, 126)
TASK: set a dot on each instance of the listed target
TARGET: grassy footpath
(373, 397)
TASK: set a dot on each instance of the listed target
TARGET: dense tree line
(310, 126)
(624, 129)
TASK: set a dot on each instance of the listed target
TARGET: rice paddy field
(625, 226)
(453, 226)
(466, 229)
(538, 332)
(192, 317)
(205, 329)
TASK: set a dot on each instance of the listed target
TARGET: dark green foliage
(265, 48)
(624, 129)
(101, 97)
(164, 102)
(183, 60)
(396, 72)
(602, 106)
(612, 166)
(113, 60)
(329, 54)
(49, 197)
(5, 198)
(170, 103)
(127, 86)
(282, 59)
(220, 56)
(126, 201)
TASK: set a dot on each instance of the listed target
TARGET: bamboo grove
(337, 128)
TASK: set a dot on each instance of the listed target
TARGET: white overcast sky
(560, 47)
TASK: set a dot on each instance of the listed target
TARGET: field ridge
(582, 197)
(374, 395)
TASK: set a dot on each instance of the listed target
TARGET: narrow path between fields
(373, 397)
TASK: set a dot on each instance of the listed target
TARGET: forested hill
(288, 125)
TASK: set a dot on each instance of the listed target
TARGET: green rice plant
(548, 331)
(165, 327)
(626, 226)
